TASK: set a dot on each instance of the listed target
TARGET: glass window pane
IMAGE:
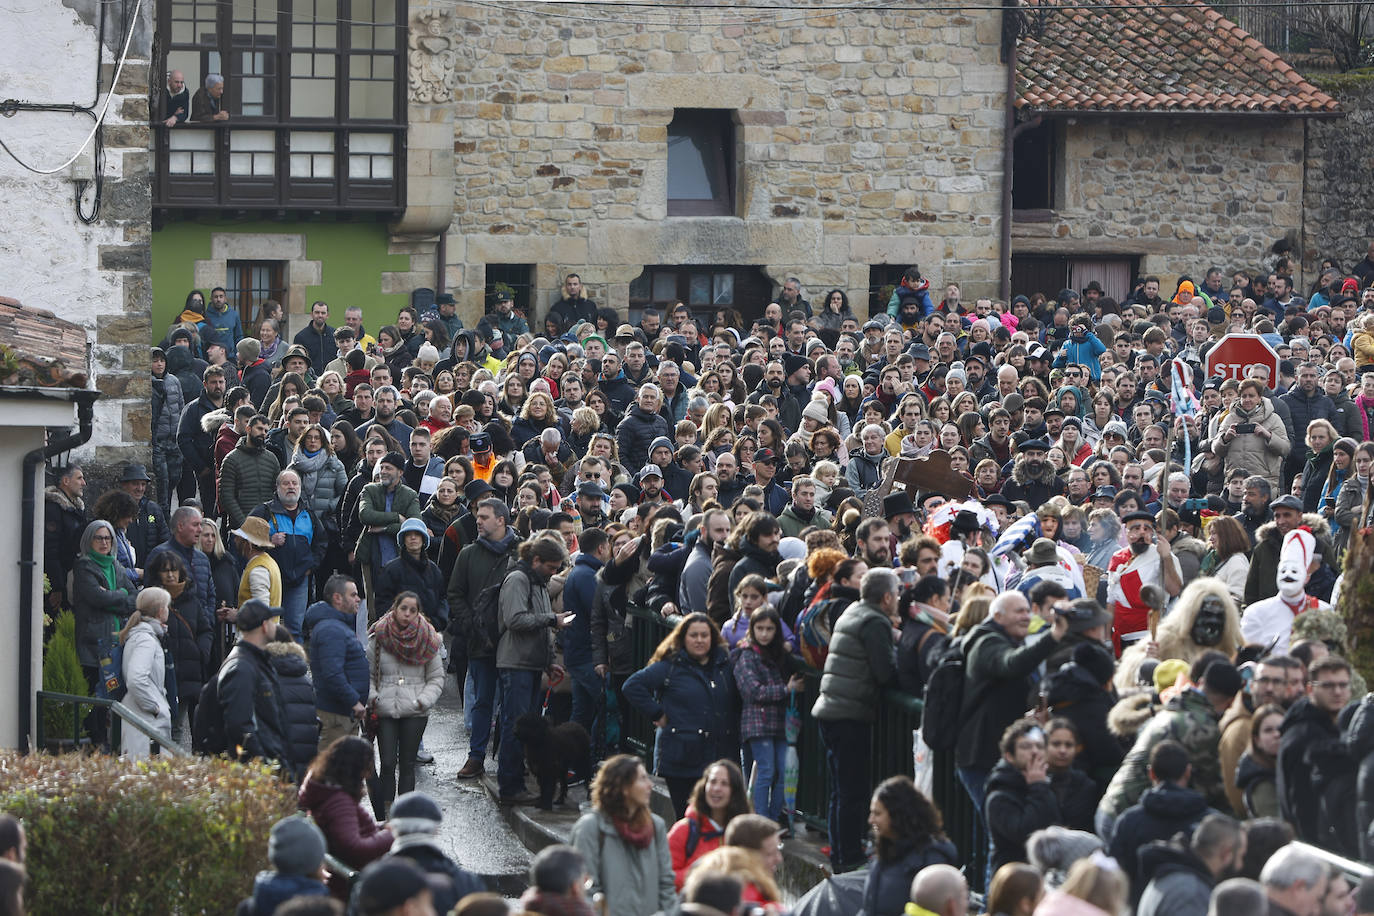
(327, 36)
(179, 163)
(312, 141)
(183, 33)
(691, 175)
(639, 287)
(665, 287)
(359, 167)
(322, 165)
(370, 100)
(369, 143)
(300, 165)
(381, 167)
(240, 163)
(699, 293)
(252, 141)
(302, 35)
(724, 289)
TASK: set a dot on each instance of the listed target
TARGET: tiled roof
(1127, 56)
(38, 349)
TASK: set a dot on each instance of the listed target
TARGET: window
(248, 283)
(1035, 155)
(1048, 274)
(882, 280)
(704, 289)
(519, 277)
(701, 162)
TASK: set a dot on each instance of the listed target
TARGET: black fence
(892, 753)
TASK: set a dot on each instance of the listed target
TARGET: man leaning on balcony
(208, 104)
(176, 100)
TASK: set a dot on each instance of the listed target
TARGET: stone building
(75, 238)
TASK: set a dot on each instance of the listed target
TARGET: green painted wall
(353, 257)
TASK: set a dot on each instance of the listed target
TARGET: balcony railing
(279, 167)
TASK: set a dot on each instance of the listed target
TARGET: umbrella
(842, 895)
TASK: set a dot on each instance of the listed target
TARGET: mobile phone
(1245, 427)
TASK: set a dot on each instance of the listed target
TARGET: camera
(1244, 427)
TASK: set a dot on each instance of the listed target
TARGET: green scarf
(107, 563)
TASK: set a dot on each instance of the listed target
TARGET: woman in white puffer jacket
(407, 678)
(145, 670)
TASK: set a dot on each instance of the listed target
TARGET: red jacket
(224, 444)
(349, 831)
(708, 839)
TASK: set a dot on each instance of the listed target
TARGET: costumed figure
(1130, 569)
(1270, 622)
(1204, 618)
(959, 526)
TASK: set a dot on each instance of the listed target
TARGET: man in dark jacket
(415, 819)
(183, 541)
(758, 536)
(318, 337)
(300, 542)
(640, 427)
(1166, 808)
(1020, 800)
(1178, 877)
(479, 567)
(248, 474)
(195, 442)
(574, 306)
(999, 674)
(149, 527)
(775, 383)
(861, 661)
(338, 660)
(1032, 477)
(64, 520)
(925, 633)
(1306, 402)
(614, 384)
(255, 374)
(249, 695)
(579, 594)
(1312, 755)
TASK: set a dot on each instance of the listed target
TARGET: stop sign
(1235, 355)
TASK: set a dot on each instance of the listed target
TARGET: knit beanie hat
(296, 846)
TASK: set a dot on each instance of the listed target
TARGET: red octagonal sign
(1235, 355)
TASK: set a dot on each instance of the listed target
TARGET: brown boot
(472, 769)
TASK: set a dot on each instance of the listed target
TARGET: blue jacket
(306, 539)
(227, 327)
(579, 592)
(272, 889)
(337, 659)
(1084, 354)
(702, 706)
(199, 564)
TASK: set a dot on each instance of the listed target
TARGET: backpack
(207, 731)
(486, 609)
(813, 634)
(944, 700)
(110, 657)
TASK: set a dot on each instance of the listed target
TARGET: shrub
(62, 674)
(106, 835)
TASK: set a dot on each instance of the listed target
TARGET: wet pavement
(474, 833)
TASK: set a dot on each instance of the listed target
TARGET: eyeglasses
(101, 537)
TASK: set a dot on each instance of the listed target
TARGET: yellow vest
(274, 592)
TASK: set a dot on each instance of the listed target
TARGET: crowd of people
(1117, 601)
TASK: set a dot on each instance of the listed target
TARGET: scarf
(106, 562)
(1365, 406)
(638, 837)
(175, 589)
(411, 645)
(308, 465)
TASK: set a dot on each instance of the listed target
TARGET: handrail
(132, 716)
(1356, 871)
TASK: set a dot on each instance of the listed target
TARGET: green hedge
(167, 836)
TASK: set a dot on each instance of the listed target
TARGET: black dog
(551, 751)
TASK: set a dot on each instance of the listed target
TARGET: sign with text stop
(1236, 354)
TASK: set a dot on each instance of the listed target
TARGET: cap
(920, 351)
(873, 324)
(1105, 492)
(649, 470)
(1140, 515)
(997, 499)
(480, 442)
(295, 846)
(1032, 445)
(1287, 501)
(765, 456)
(1042, 553)
(134, 472)
(255, 531)
(1054, 409)
(253, 613)
(624, 332)
(414, 812)
(447, 299)
(1013, 402)
(1036, 352)
(1084, 614)
(591, 488)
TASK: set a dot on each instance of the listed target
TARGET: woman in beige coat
(407, 678)
(1253, 436)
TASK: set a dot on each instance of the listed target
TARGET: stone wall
(1340, 175)
(96, 273)
(1181, 193)
(863, 137)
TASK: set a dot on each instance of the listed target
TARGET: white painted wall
(48, 257)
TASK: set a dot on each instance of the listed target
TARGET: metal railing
(122, 715)
(891, 754)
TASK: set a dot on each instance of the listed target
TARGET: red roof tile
(1123, 56)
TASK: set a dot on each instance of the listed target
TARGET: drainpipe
(1010, 41)
(85, 410)
(440, 255)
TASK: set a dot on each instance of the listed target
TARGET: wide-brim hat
(1042, 553)
(897, 503)
(297, 350)
(135, 472)
(255, 531)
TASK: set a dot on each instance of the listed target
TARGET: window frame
(722, 160)
(241, 293)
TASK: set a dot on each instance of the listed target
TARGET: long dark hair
(675, 640)
(773, 653)
(914, 818)
(353, 447)
(739, 793)
(346, 764)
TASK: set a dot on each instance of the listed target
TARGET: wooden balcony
(274, 170)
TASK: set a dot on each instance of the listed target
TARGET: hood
(1160, 859)
(55, 494)
(1007, 777)
(314, 794)
(1269, 531)
(1130, 713)
(747, 549)
(1305, 712)
(1173, 803)
(321, 611)
(179, 359)
(213, 420)
(288, 658)
(1252, 770)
